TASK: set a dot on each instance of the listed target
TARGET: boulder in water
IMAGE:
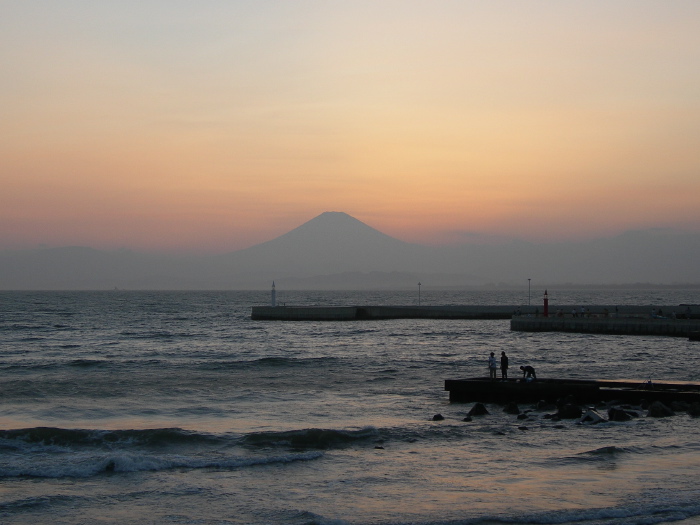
(680, 406)
(438, 417)
(591, 417)
(511, 408)
(566, 400)
(478, 410)
(570, 411)
(617, 414)
(544, 405)
(694, 409)
(658, 409)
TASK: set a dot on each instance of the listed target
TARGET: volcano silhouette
(331, 243)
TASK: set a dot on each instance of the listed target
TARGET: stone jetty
(484, 389)
(599, 324)
(364, 313)
(681, 320)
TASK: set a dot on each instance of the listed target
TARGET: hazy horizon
(473, 240)
(212, 127)
(337, 251)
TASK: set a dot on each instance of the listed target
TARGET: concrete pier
(583, 390)
(607, 325)
(362, 313)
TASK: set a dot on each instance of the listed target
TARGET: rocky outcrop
(478, 410)
(658, 409)
(618, 414)
(680, 406)
(545, 406)
(511, 408)
(591, 417)
(570, 411)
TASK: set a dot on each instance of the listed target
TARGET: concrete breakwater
(362, 313)
(607, 325)
(583, 390)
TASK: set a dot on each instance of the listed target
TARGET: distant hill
(337, 251)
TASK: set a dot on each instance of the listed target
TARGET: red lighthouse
(546, 304)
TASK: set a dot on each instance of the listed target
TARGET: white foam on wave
(84, 465)
(653, 513)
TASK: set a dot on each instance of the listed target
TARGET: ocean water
(177, 408)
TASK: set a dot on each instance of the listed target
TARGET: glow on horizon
(214, 126)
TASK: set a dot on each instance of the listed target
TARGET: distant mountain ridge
(337, 251)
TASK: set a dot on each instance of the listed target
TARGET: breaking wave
(46, 452)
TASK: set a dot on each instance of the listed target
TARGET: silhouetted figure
(528, 371)
(492, 366)
(504, 366)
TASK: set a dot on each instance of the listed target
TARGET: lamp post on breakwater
(528, 292)
(419, 294)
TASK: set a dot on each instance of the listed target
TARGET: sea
(172, 407)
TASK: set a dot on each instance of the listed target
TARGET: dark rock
(617, 414)
(467, 419)
(548, 416)
(658, 409)
(694, 409)
(566, 400)
(613, 403)
(378, 447)
(523, 416)
(544, 405)
(679, 406)
(438, 417)
(569, 411)
(511, 408)
(591, 417)
(478, 410)
(523, 428)
(559, 426)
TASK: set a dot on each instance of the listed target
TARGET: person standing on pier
(504, 366)
(492, 366)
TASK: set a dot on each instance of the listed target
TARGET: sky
(211, 126)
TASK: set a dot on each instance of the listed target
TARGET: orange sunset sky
(210, 126)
